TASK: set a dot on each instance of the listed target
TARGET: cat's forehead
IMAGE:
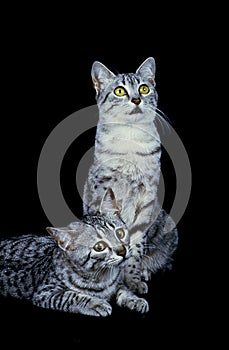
(128, 79)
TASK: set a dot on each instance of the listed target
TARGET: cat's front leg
(133, 275)
(71, 301)
(134, 267)
(125, 298)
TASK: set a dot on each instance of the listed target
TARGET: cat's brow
(99, 235)
(105, 98)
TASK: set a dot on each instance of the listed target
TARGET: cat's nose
(136, 100)
(121, 251)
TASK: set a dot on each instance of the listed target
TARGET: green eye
(120, 233)
(120, 91)
(100, 246)
(144, 89)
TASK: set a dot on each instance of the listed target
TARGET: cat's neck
(127, 136)
(76, 277)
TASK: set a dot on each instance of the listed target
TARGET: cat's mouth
(136, 110)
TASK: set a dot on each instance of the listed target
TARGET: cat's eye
(100, 246)
(144, 89)
(120, 233)
(120, 91)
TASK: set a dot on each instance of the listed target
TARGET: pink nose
(136, 101)
(121, 251)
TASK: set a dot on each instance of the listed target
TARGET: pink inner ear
(117, 213)
(63, 245)
(97, 85)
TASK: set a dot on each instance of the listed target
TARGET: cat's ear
(100, 76)
(64, 236)
(108, 204)
(147, 70)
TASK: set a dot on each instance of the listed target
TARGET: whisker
(163, 115)
(149, 245)
(163, 120)
(100, 271)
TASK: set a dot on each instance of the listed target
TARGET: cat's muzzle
(136, 110)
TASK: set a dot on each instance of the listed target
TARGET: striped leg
(70, 301)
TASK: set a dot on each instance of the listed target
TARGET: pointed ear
(147, 70)
(108, 204)
(100, 76)
(63, 236)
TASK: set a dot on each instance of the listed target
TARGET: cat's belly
(134, 186)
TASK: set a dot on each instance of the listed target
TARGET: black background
(46, 77)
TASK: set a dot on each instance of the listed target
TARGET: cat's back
(24, 261)
(24, 248)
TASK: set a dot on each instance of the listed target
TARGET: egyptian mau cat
(127, 158)
(76, 269)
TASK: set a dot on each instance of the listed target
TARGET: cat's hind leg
(161, 243)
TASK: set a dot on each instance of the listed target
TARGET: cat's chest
(132, 150)
(127, 138)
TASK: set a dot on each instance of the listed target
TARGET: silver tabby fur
(78, 268)
(127, 159)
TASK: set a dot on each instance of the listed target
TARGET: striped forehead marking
(130, 78)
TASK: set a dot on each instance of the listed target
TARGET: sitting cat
(127, 159)
(78, 268)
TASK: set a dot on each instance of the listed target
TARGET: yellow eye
(120, 91)
(120, 233)
(100, 246)
(144, 89)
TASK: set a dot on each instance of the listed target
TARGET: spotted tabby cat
(76, 269)
(127, 158)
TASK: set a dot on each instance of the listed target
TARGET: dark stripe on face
(132, 79)
(99, 235)
(87, 259)
(106, 97)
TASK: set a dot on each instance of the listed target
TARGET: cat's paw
(146, 274)
(138, 304)
(132, 302)
(100, 308)
(140, 287)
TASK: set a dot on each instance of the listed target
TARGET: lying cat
(77, 268)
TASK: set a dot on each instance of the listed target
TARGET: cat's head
(97, 240)
(131, 94)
